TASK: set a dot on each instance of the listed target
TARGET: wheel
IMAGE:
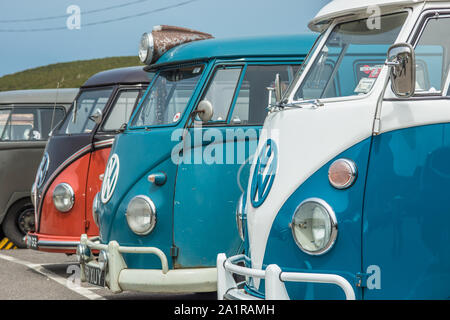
(19, 221)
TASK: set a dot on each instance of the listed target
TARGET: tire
(18, 220)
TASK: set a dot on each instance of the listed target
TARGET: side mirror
(402, 62)
(205, 110)
(96, 116)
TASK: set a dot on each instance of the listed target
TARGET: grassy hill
(74, 73)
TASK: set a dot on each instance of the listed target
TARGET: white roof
(338, 8)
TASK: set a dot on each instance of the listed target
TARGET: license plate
(32, 242)
(94, 275)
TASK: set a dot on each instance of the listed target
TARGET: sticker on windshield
(364, 85)
(176, 117)
(371, 71)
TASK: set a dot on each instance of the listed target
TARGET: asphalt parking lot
(33, 275)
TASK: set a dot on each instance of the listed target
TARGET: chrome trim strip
(81, 152)
(104, 143)
(49, 244)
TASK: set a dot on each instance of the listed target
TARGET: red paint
(83, 176)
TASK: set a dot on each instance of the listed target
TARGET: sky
(37, 33)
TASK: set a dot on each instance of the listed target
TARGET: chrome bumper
(227, 288)
(50, 244)
(119, 278)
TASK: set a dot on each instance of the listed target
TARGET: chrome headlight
(240, 217)
(95, 205)
(146, 48)
(314, 226)
(63, 197)
(141, 215)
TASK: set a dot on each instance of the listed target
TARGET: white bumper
(119, 278)
(274, 278)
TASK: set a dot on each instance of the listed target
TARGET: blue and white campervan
(175, 173)
(349, 194)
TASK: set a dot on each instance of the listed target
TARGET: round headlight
(141, 215)
(95, 205)
(342, 173)
(146, 48)
(314, 226)
(240, 217)
(63, 197)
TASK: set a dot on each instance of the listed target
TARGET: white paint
(357, 8)
(85, 292)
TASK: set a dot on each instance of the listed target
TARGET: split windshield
(168, 97)
(89, 101)
(351, 59)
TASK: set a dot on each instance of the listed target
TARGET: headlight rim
(71, 194)
(149, 49)
(333, 221)
(153, 208)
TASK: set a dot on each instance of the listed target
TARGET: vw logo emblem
(42, 170)
(110, 178)
(264, 173)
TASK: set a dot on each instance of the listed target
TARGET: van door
(406, 217)
(115, 116)
(215, 170)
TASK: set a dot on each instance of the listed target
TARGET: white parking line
(85, 292)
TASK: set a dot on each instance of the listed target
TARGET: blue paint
(407, 213)
(345, 257)
(236, 48)
(395, 218)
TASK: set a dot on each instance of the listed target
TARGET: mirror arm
(392, 63)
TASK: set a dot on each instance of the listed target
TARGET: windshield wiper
(298, 104)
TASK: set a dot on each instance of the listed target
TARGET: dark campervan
(26, 120)
(75, 158)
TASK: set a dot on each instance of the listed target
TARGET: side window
(121, 110)
(432, 56)
(24, 124)
(253, 97)
(49, 118)
(221, 91)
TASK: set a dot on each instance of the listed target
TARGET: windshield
(168, 97)
(77, 120)
(351, 59)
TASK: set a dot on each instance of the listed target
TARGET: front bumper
(274, 278)
(51, 243)
(119, 278)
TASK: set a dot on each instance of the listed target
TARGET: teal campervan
(176, 171)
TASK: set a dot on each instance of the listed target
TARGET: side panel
(206, 197)
(18, 165)
(70, 223)
(406, 217)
